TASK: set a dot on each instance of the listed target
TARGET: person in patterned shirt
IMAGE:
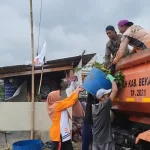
(133, 35)
(112, 45)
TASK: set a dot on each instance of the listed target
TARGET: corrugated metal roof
(50, 64)
(75, 60)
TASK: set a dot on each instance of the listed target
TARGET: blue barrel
(96, 80)
(28, 145)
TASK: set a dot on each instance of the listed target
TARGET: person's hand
(80, 89)
(113, 69)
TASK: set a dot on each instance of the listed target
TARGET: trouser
(106, 146)
(87, 136)
(76, 128)
(64, 145)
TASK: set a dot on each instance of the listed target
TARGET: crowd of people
(96, 125)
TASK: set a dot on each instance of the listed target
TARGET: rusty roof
(71, 61)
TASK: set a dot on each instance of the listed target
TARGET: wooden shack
(52, 73)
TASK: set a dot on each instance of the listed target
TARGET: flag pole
(32, 53)
(42, 72)
(40, 81)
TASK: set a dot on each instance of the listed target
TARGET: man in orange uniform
(59, 130)
(135, 36)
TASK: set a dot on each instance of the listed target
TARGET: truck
(131, 107)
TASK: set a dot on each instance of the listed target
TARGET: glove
(110, 77)
(113, 69)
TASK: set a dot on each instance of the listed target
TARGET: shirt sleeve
(66, 103)
(122, 49)
(107, 56)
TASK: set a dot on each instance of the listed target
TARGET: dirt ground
(76, 146)
(4, 147)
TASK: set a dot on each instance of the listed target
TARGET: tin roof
(71, 61)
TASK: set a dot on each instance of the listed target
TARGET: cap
(100, 93)
(125, 22)
(110, 28)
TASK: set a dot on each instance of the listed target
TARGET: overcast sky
(69, 25)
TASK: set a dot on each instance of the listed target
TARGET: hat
(100, 93)
(125, 22)
(110, 28)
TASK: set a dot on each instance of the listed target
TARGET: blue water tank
(96, 80)
(28, 145)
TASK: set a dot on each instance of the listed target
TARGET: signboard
(10, 86)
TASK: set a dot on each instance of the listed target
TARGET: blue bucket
(96, 80)
(28, 145)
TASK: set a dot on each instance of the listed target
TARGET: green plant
(101, 67)
(119, 78)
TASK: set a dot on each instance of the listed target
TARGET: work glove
(110, 77)
(113, 69)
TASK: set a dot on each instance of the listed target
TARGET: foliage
(119, 78)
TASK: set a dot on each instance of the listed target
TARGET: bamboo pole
(32, 52)
(40, 81)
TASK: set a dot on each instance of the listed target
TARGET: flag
(39, 60)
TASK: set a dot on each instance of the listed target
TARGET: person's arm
(66, 99)
(114, 90)
(107, 56)
(70, 101)
(127, 52)
(122, 49)
(114, 87)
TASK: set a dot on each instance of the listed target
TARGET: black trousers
(87, 136)
(64, 145)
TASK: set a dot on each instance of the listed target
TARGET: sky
(70, 26)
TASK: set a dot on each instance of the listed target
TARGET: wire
(40, 25)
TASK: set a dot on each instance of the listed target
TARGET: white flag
(39, 60)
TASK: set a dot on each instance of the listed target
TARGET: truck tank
(131, 126)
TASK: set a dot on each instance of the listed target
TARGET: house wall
(16, 117)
